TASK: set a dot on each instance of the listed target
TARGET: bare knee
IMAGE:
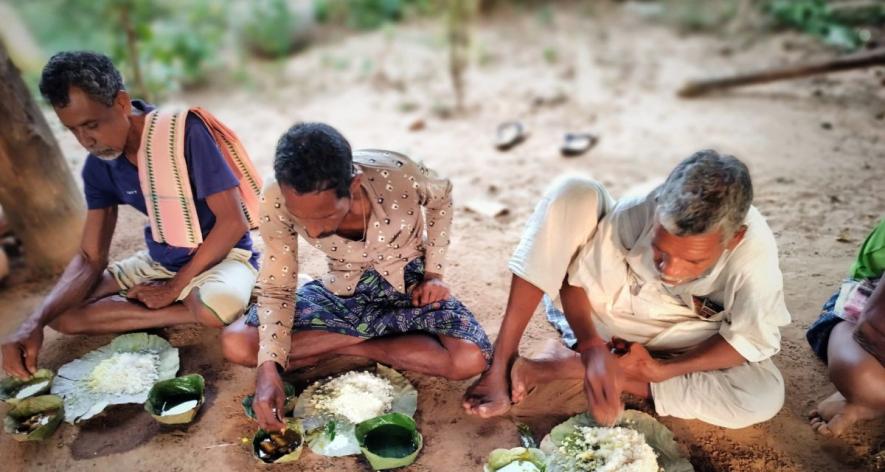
(239, 343)
(860, 381)
(200, 305)
(467, 362)
(858, 376)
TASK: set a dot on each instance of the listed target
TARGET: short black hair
(92, 72)
(314, 157)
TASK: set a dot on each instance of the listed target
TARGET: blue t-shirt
(115, 182)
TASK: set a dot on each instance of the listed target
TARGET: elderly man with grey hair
(675, 297)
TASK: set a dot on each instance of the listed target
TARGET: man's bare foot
(835, 415)
(526, 373)
(489, 396)
(523, 377)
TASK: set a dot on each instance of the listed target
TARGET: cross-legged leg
(239, 342)
(556, 363)
(447, 357)
(107, 312)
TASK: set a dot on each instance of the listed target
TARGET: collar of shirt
(392, 237)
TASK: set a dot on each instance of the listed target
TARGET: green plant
(835, 24)
(368, 14)
(273, 29)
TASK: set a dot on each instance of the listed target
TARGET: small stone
(417, 125)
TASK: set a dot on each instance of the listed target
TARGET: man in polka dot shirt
(383, 223)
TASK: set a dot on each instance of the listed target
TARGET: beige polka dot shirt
(403, 194)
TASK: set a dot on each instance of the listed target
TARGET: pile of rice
(607, 450)
(126, 373)
(354, 396)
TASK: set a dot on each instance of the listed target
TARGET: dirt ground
(814, 147)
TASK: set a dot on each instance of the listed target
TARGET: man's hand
(20, 351)
(603, 383)
(156, 295)
(270, 398)
(638, 364)
(431, 290)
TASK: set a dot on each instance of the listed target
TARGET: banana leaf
(340, 439)
(518, 458)
(389, 441)
(72, 381)
(13, 389)
(293, 435)
(670, 459)
(291, 396)
(175, 392)
(29, 407)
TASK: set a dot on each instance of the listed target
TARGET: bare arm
(603, 378)
(76, 285)
(521, 304)
(713, 354)
(230, 225)
(85, 270)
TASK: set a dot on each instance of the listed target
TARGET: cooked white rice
(125, 373)
(354, 396)
(615, 449)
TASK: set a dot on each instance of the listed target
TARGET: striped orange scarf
(163, 174)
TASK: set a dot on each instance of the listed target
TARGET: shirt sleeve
(277, 279)
(563, 221)
(754, 303)
(435, 195)
(207, 168)
(97, 185)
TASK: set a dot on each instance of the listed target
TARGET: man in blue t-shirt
(164, 285)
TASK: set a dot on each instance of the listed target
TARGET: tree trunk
(39, 196)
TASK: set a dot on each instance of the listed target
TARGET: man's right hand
(270, 398)
(20, 351)
(603, 383)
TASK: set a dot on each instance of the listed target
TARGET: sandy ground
(814, 147)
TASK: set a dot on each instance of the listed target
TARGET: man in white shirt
(683, 284)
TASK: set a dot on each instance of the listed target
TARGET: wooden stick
(855, 61)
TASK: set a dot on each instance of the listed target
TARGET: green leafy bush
(273, 28)
(837, 26)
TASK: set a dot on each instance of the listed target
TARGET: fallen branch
(855, 61)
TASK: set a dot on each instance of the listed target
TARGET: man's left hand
(638, 364)
(155, 295)
(431, 290)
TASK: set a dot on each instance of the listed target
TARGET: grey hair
(706, 192)
(91, 72)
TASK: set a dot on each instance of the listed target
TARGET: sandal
(575, 144)
(510, 134)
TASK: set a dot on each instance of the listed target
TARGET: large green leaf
(389, 441)
(658, 436)
(173, 392)
(10, 387)
(28, 407)
(501, 458)
(344, 442)
(71, 383)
